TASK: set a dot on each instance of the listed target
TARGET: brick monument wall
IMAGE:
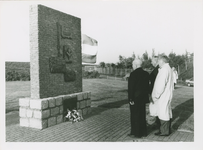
(46, 112)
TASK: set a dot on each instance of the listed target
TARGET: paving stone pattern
(101, 125)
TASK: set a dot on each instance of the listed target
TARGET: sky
(120, 27)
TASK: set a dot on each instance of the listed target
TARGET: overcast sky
(120, 28)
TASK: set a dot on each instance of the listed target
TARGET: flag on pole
(88, 40)
(89, 49)
(86, 58)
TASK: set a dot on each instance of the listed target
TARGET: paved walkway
(102, 125)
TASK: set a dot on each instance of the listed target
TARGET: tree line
(183, 63)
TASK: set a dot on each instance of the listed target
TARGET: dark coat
(138, 90)
(138, 86)
(152, 78)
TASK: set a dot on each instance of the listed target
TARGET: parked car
(189, 82)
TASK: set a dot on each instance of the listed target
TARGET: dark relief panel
(58, 64)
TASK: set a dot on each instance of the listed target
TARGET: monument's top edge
(42, 6)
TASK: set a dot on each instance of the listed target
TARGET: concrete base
(46, 112)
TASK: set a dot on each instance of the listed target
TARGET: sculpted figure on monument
(67, 53)
(58, 64)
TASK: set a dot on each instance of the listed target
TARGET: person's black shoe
(131, 135)
(157, 133)
(160, 134)
(163, 134)
(138, 137)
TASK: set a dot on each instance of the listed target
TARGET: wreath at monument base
(73, 116)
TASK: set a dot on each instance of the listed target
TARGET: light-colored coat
(175, 76)
(163, 92)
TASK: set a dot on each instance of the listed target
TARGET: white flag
(88, 40)
(89, 49)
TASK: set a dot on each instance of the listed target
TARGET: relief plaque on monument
(60, 63)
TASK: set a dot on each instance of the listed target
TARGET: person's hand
(151, 100)
(132, 103)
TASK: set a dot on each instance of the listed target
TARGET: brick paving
(102, 125)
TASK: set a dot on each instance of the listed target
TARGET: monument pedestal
(46, 112)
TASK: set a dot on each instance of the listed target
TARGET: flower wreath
(73, 115)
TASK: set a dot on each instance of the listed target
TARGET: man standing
(152, 106)
(154, 73)
(138, 89)
(162, 95)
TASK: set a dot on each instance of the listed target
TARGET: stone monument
(55, 69)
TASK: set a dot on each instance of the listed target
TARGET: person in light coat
(152, 119)
(162, 95)
(175, 76)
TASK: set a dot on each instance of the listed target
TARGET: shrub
(85, 74)
(17, 76)
(91, 74)
(25, 76)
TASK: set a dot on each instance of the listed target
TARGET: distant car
(189, 82)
